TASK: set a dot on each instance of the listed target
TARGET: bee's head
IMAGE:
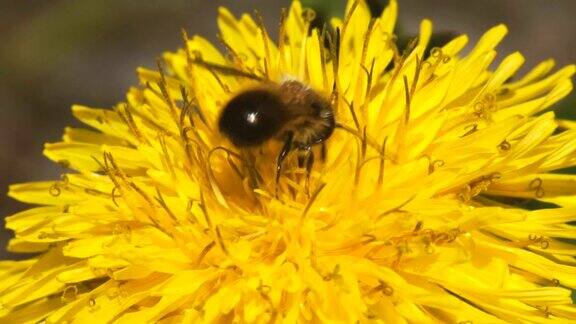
(252, 117)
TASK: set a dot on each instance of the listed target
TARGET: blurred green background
(60, 52)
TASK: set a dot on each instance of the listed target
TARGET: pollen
(425, 207)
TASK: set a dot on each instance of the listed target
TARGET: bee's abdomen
(253, 117)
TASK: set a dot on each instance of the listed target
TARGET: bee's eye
(252, 117)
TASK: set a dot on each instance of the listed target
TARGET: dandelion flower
(422, 210)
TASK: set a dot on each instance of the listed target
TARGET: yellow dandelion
(420, 211)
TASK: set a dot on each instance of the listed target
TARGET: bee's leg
(281, 157)
(323, 152)
(309, 165)
(302, 160)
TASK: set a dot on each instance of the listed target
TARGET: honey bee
(290, 111)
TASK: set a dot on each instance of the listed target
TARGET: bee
(290, 112)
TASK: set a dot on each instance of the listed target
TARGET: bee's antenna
(281, 157)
